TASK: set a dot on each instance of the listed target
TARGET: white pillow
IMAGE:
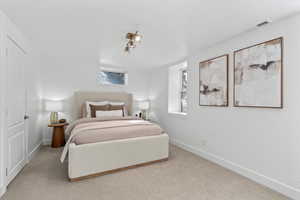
(88, 108)
(116, 103)
(119, 104)
(114, 113)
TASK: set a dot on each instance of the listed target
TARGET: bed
(96, 156)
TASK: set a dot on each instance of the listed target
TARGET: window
(183, 91)
(109, 76)
(177, 93)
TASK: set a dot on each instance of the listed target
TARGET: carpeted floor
(185, 176)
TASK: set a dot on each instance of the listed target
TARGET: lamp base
(54, 118)
(144, 115)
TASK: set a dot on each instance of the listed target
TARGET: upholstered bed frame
(88, 160)
(82, 96)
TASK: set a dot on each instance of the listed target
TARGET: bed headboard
(82, 96)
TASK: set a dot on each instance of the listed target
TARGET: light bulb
(138, 38)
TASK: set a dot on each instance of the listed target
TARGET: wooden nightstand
(58, 136)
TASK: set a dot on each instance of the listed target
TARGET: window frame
(113, 70)
(175, 73)
(181, 87)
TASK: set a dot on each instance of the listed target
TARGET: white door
(16, 136)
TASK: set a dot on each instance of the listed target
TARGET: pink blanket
(94, 130)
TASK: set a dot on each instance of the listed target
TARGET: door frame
(2, 107)
(8, 29)
(11, 37)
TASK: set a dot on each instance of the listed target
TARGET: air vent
(263, 23)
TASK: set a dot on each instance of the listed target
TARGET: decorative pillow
(116, 113)
(95, 108)
(114, 103)
(87, 109)
(117, 107)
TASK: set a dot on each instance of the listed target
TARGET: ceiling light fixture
(132, 40)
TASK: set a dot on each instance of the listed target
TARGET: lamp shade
(144, 105)
(53, 106)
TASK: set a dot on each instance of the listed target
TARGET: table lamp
(144, 106)
(54, 107)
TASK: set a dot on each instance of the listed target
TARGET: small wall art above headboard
(82, 96)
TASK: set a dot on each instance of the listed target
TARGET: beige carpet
(185, 176)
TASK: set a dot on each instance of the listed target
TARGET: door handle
(26, 117)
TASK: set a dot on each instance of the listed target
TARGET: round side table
(58, 136)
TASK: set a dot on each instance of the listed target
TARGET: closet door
(16, 136)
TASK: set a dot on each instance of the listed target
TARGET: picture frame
(258, 75)
(213, 81)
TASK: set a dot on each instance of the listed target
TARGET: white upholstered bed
(94, 159)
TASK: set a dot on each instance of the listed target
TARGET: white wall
(262, 144)
(31, 76)
(62, 76)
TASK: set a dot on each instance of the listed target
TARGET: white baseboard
(249, 173)
(34, 151)
(2, 191)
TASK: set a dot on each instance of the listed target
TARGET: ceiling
(172, 29)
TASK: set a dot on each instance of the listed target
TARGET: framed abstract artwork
(258, 75)
(213, 82)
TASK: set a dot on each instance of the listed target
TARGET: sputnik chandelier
(132, 40)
